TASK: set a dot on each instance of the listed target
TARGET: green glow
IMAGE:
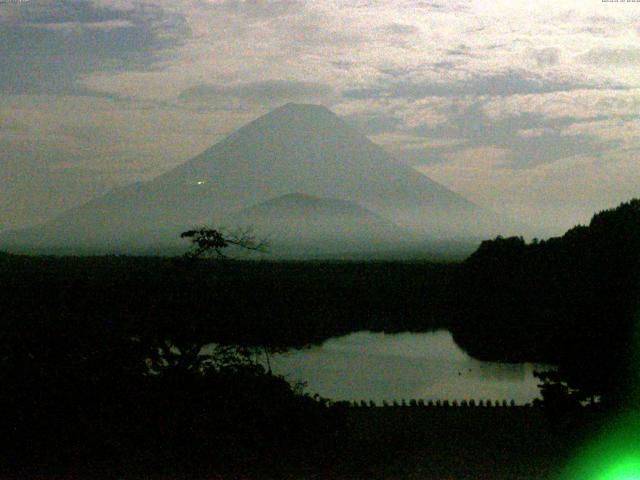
(627, 469)
(613, 455)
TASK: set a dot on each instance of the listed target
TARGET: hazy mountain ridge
(297, 223)
(295, 148)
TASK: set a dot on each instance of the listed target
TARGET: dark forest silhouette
(570, 301)
(102, 359)
(84, 390)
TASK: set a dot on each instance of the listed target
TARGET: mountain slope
(306, 148)
(295, 148)
(298, 224)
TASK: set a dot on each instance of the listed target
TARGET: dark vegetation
(570, 301)
(454, 443)
(289, 304)
(101, 361)
(102, 365)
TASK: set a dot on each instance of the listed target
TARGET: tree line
(572, 301)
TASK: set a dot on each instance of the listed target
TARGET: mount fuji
(301, 149)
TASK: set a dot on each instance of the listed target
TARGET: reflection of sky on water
(380, 367)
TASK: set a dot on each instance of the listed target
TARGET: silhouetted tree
(207, 241)
(558, 398)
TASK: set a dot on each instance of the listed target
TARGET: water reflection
(377, 366)
(500, 371)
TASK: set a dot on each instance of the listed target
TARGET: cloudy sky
(529, 108)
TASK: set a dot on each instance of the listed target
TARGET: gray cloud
(262, 92)
(38, 56)
(469, 122)
(546, 56)
(612, 56)
(445, 65)
(259, 9)
(603, 20)
(461, 50)
(512, 82)
(65, 11)
(400, 29)
(312, 31)
(441, 6)
(601, 25)
(372, 123)
(395, 72)
(342, 64)
(468, 127)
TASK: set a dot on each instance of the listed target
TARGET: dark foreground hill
(572, 301)
(295, 148)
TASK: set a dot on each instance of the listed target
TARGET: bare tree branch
(208, 241)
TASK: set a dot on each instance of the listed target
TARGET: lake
(378, 366)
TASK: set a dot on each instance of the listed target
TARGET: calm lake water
(378, 366)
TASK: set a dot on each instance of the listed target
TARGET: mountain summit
(294, 148)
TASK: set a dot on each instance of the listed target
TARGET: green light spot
(627, 469)
(613, 454)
